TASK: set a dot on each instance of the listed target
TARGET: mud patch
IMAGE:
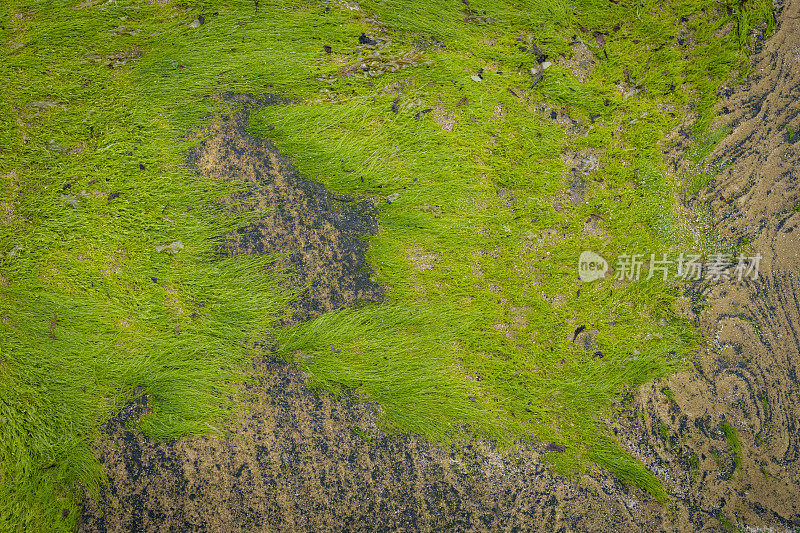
(321, 233)
(581, 63)
(298, 461)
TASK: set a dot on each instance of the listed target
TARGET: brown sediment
(319, 231)
(298, 460)
(581, 63)
(746, 376)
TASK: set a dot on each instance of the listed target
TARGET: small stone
(363, 39)
(392, 197)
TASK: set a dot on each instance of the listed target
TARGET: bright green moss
(735, 447)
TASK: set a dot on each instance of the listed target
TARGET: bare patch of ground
(320, 231)
(8, 209)
(581, 63)
(296, 460)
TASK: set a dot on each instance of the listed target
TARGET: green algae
(478, 246)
